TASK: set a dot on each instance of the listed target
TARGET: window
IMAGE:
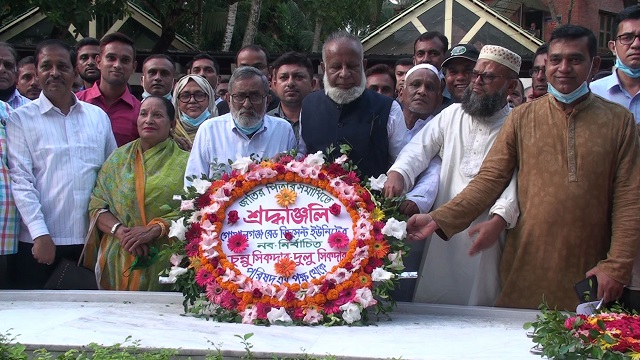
(605, 33)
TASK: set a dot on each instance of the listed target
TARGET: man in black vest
(348, 113)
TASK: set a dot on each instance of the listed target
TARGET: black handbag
(69, 275)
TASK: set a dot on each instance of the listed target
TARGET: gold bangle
(163, 229)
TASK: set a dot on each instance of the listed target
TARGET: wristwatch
(114, 228)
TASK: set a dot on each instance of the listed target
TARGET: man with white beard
(244, 131)
(348, 113)
(462, 135)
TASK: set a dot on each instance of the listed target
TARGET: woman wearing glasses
(194, 101)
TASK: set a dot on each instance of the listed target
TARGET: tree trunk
(197, 28)
(315, 48)
(231, 25)
(166, 38)
(252, 24)
(59, 32)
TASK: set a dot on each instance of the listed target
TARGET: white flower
(219, 196)
(364, 297)
(312, 317)
(229, 275)
(201, 185)
(395, 228)
(316, 159)
(380, 274)
(278, 314)
(249, 314)
(396, 261)
(341, 160)
(242, 164)
(351, 312)
(378, 183)
(177, 229)
(176, 259)
(175, 272)
(187, 205)
(340, 275)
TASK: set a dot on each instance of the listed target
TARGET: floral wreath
(214, 287)
(611, 334)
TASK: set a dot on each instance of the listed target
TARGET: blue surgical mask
(248, 130)
(197, 121)
(572, 96)
(632, 73)
(166, 96)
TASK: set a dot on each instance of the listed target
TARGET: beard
(246, 118)
(482, 106)
(344, 96)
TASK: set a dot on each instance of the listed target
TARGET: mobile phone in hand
(587, 289)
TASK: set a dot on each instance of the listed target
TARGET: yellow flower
(377, 214)
(286, 197)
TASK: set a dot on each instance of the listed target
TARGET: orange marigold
(289, 177)
(332, 294)
(295, 287)
(285, 267)
(319, 299)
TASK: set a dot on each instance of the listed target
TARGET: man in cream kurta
(448, 274)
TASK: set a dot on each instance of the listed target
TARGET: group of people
(528, 194)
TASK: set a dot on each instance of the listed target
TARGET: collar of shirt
(45, 105)
(94, 92)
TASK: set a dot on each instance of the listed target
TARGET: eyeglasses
(185, 97)
(627, 39)
(535, 70)
(254, 99)
(484, 77)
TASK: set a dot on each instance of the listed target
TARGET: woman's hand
(135, 239)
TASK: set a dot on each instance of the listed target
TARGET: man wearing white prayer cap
(464, 270)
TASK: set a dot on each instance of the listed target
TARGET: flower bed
(359, 266)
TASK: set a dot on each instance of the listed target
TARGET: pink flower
(192, 248)
(569, 323)
(232, 217)
(335, 209)
(288, 235)
(213, 292)
(229, 300)
(262, 309)
(238, 243)
(338, 240)
(204, 277)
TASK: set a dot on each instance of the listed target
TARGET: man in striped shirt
(8, 214)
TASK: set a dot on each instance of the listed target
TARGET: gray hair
(341, 36)
(245, 72)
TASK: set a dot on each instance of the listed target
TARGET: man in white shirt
(57, 145)
(462, 135)
(8, 73)
(421, 95)
(245, 131)
(623, 85)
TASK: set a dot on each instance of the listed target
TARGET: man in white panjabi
(464, 270)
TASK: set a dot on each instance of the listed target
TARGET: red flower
(338, 240)
(227, 192)
(335, 170)
(280, 169)
(192, 248)
(232, 217)
(212, 218)
(262, 310)
(375, 262)
(239, 183)
(285, 159)
(335, 209)
(289, 296)
(256, 293)
(238, 243)
(360, 243)
(368, 269)
(225, 177)
(229, 300)
(568, 324)
(203, 200)
(322, 176)
(220, 271)
(288, 235)
(351, 178)
(331, 307)
(204, 277)
(193, 233)
(348, 266)
(298, 314)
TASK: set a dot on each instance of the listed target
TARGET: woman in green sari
(130, 200)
